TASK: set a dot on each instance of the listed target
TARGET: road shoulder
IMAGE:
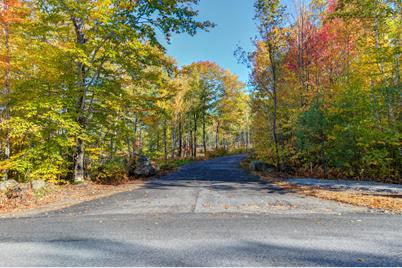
(385, 198)
(61, 197)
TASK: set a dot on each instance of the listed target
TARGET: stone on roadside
(8, 184)
(142, 168)
(38, 185)
(11, 189)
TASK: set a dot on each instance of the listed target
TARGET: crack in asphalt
(196, 200)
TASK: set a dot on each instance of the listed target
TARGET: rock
(8, 184)
(15, 192)
(11, 188)
(38, 185)
(142, 167)
(258, 165)
(131, 168)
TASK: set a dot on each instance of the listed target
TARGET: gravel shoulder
(367, 186)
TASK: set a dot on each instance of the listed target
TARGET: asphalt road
(210, 213)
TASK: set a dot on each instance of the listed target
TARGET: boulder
(38, 185)
(8, 184)
(142, 167)
(258, 165)
(11, 188)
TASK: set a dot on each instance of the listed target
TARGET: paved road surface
(210, 213)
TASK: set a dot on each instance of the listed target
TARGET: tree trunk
(275, 115)
(157, 141)
(274, 130)
(80, 105)
(217, 136)
(79, 161)
(204, 135)
(397, 67)
(190, 141)
(180, 152)
(174, 129)
(140, 140)
(7, 91)
(247, 138)
(195, 137)
(165, 149)
(134, 152)
(111, 152)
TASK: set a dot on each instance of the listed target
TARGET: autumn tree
(12, 16)
(338, 88)
(270, 16)
(104, 33)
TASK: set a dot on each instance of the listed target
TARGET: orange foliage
(11, 11)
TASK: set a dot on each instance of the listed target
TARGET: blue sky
(235, 25)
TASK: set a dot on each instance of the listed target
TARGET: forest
(87, 87)
(327, 87)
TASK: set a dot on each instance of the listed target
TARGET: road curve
(210, 213)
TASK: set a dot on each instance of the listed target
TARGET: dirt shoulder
(60, 196)
(386, 202)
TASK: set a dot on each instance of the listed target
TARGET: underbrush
(296, 169)
(224, 152)
(113, 172)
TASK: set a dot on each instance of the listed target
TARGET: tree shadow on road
(80, 251)
(221, 174)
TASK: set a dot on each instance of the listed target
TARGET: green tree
(103, 34)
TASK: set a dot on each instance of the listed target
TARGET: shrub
(112, 172)
(218, 152)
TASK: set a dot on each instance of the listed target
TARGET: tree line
(327, 88)
(87, 86)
